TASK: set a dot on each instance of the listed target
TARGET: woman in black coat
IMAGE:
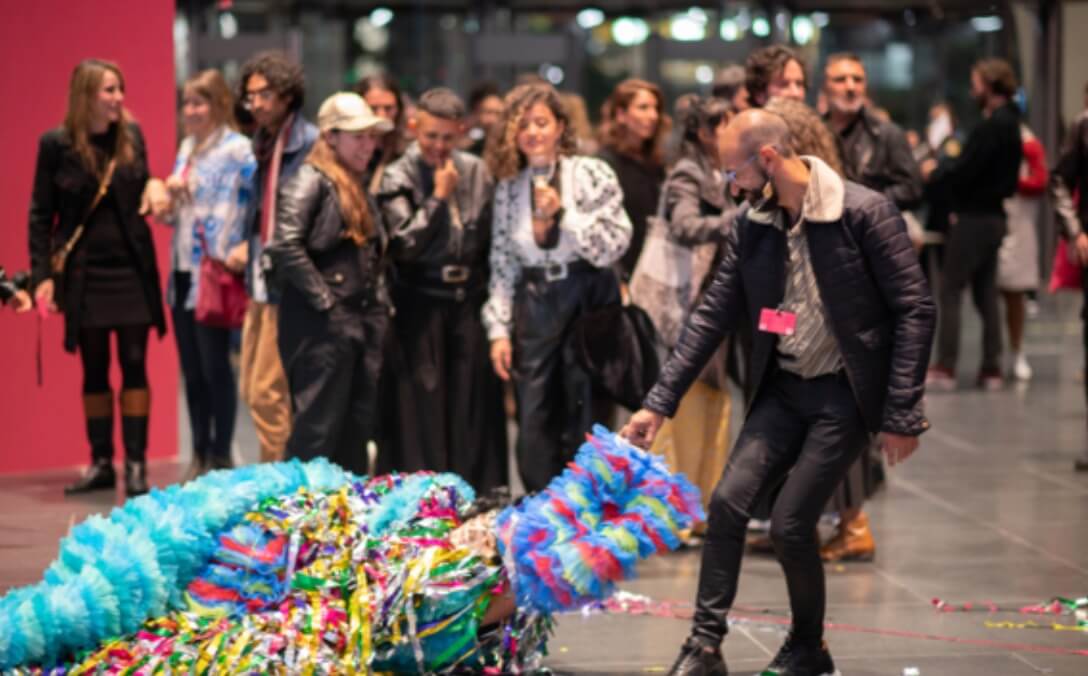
(327, 255)
(91, 189)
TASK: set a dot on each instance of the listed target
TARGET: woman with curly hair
(558, 227)
(633, 133)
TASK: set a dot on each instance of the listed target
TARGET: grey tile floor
(989, 510)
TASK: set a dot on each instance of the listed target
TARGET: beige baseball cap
(347, 111)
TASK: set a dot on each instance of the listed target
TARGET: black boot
(219, 462)
(135, 406)
(698, 659)
(98, 411)
(799, 657)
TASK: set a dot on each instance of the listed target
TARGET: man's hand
(502, 357)
(897, 447)
(445, 180)
(642, 428)
(1081, 245)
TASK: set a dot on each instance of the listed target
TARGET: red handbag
(221, 298)
(1065, 274)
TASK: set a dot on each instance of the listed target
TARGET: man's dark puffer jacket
(876, 296)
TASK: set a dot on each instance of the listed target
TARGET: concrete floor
(989, 510)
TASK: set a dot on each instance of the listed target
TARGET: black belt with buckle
(457, 282)
(555, 272)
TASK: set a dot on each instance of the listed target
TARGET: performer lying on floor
(292, 567)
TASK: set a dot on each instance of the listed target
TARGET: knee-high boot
(98, 412)
(135, 407)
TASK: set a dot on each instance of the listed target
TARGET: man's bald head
(751, 130)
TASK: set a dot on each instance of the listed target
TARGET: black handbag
(619, 349)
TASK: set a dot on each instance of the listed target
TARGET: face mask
(938, 130)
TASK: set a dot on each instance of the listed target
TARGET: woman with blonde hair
(92, 258)
(211, 187)
(634, 127)
(326, 255)
(558, 227)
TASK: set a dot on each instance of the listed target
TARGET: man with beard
(975, 185)
(875, 153)
(845, 322)
(442, 407)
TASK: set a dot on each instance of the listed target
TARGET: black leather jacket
(420, 229)
(309, 253)
(874, 291)
(1070, 175)
(876, 154)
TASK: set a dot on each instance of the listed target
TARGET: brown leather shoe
(853, 542)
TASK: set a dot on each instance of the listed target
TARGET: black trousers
(333, 361)
(807, 432)
(210, 391)
(970, 259)
(441, 407)
(555, 397)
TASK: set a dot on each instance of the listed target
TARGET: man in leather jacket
(1071, 176)
(442, 400)
(875, 153)
(845, 321)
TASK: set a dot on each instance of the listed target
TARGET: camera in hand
(11, 286)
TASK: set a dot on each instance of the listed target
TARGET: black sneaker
(698, 659)
(801, 658)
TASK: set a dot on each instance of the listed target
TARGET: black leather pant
(332, 360)
(555, 398)
(806, 432)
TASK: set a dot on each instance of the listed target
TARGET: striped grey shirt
(812, 349)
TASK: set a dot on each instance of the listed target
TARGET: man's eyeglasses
(264, 94)
(731, 175)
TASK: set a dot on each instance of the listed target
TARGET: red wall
(40, 43)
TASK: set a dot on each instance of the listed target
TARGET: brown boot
(853, 542)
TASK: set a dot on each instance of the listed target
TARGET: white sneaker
(1021, 369)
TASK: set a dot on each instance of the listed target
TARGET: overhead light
(986, 24)
(381, 16)
(697, 14)
(685, 28)
(552, 73)
(761, 27)
(802, 28)
(228, 25)
(704, 74)
(782, 20)
(821, 19)
(729, 30)
(590, 17)
(628, 31)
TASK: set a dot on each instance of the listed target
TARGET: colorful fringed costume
(292, 567)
